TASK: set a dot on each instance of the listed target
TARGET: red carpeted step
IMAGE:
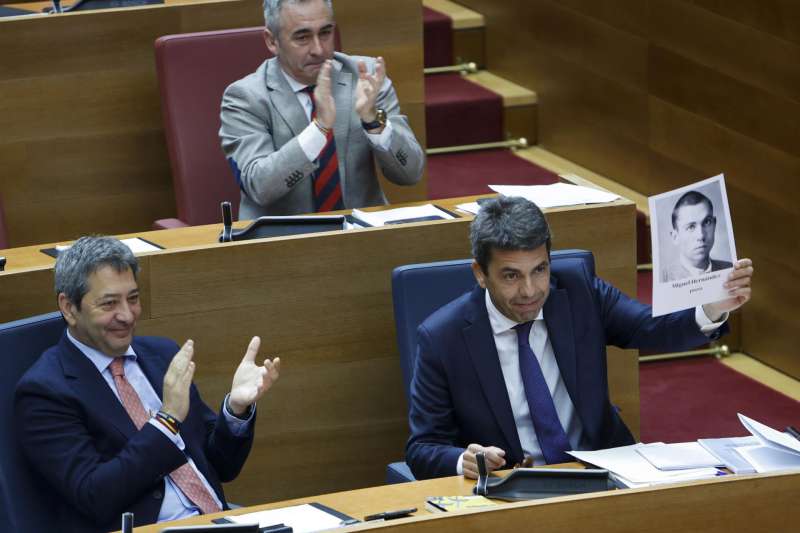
(459, 112)
(469, 173)
(688, 399)
(437, 38)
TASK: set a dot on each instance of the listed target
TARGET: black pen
(388, 515)
(791, 430)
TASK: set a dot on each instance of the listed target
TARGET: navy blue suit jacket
(458, 394)
(76, 433)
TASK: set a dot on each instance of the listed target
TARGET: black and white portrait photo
(692, 239)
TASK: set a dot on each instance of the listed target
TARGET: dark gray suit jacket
(261, 118)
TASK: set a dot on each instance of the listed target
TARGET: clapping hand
(251, 381)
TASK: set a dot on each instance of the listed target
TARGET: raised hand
(367, 89)
(739, 289)
(177, 381)
(251, 381)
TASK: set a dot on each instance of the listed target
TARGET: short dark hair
(86, 255)
(507, 223)
(690, 198)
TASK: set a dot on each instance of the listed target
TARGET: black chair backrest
(24, 496)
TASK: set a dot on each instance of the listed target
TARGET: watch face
(380, 116)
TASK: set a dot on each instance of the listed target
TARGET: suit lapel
(558, 319)
(342, 89)
(479, 340)
(89, 385)
(284, 101)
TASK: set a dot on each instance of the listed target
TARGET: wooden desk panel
(720, 505)
(322, 302)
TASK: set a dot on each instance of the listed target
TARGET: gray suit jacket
(261, 118)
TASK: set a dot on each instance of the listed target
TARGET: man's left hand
(367, 89)
(739, 289)
(251, 381)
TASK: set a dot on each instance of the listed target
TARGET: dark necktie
(327, 184)
(552, 438)
(185, 477)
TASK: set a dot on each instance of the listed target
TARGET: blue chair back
(24, 496)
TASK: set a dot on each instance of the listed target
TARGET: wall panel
(657, 94)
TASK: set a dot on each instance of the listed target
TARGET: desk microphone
(127, 522)
(227, 222)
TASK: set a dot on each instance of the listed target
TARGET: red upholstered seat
(193, 71)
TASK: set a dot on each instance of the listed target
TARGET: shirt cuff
(382, 140)
(175, 438)
(705, 323)
(312, 141)
(237, 426)
(460, 465)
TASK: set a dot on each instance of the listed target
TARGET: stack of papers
(305, 518)
(400, 215)
(554, 195)
(630, 469)
(774, 451)
(679, 456)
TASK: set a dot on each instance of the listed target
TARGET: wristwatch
(379, 122)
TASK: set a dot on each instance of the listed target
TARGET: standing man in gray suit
(301, 133)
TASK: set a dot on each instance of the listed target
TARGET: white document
(304, 518)
(630, 468)
(387, 216)
(679, 456)
(724, 449)
(470, 207)
(693, 245)
(769, 459)
(136, 245)
(770, 437)
(556, 194)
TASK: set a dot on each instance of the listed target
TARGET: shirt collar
(98, 358)
(501, 323)
(295, 85)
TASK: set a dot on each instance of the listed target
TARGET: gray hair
(83, 258)
(507, 223)
(272, 13)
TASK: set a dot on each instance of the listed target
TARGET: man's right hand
(177, 381)
(495, 459)
(323, 98)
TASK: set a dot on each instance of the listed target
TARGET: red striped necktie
(327, 184)
(185, 477)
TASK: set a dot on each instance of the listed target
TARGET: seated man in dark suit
(516, 368)
(112, 421)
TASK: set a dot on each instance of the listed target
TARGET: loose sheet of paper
(380, 218)
(556, 194)
(304, 518)
(678, 456)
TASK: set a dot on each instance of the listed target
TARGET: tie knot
(309, 90)
(524, 330)
(117, 366)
